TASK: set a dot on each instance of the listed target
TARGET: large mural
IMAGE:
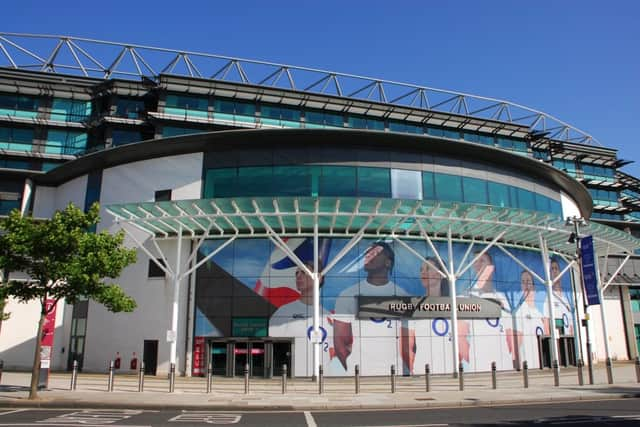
(254, 281)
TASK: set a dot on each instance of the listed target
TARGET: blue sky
(576, 60)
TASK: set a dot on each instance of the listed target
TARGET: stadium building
(288, 215)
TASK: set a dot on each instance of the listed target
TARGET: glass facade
(18, 105)
(16, 139)
(67, 142)
(70, 110)
(347, 181)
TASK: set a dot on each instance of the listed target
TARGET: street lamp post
(577, 222)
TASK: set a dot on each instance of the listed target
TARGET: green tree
(64, 260)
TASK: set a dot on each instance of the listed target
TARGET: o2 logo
(382, 320)
(324, 342)
(495, 323)
(440, 327)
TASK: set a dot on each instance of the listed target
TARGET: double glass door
(249, 354)
(264, 358)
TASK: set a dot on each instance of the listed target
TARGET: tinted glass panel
(498, 194)
(448, 187)
(338, 181)
(428, 191)
(373, 182)
(475, 190)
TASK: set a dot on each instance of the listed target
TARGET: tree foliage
(63, 259)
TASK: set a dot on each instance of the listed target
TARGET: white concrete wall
(18, 333)
(615, 327)
(49, 199)
(108, 333)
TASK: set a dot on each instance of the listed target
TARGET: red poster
(48, 330)
(198, 356)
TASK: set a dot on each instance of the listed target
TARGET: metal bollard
(209, 376)
(320, 379)
(74, 376)
(638, 369)
(141, 378)
(580, 372)
(461, 377)
(284, 378)
(172, 377)
(556, 374)
(494, 378)
(1, 369)
(393, 378)
(357, 379)
(525, 374)
(246, 378)
(427, 373)
(609, 371)
(112, 371)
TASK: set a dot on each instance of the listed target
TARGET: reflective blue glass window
(395, 126)
(475, 190)
(450, 133)
(338, 181)
(526, 199)
(448, 187)
(486, 140)
(245, 108)
(498, 194)
(122, 137)
(16, 139)
(65, 142)
(542, 203)
(374, 182)
(334, 119)
(435, 131)
(224, 106)
(218, 182)
(428, 189)
(357, 122)
(188, 102)
(70, 110)
(316, 117)
(291, 181)
(406, 184)
(471, 137)
(129, 108)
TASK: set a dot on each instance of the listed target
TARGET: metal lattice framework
(104, 59)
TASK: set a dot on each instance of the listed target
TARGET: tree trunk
(35, 371)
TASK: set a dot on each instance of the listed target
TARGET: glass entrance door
(281, 356)
(241, 357)
(257, 359)
(219, 358)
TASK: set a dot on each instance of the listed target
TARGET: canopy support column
(549, 284)
(454, 305)
(603, 313)
(173, 334)
(316, 303)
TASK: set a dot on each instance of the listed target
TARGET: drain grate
(424, 398)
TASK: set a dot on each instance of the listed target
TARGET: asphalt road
(622, 412)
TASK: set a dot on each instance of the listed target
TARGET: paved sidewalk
(302, 394)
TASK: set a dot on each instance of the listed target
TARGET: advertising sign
(198, 356)
(427, 307)
(48, 330)
(589, 270)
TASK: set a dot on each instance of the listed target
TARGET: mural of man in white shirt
(376, 336)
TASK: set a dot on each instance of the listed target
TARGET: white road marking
(206, 417)
(309, 418)
(13, 411)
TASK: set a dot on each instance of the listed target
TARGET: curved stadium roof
(105, 60)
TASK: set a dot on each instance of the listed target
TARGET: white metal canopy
(355, 219)
(373, 217)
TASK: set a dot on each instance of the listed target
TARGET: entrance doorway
(150, 356)
(264, 358)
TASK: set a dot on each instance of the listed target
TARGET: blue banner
(589, 270)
